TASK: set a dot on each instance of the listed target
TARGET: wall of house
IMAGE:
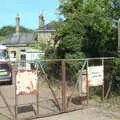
(45, 38)
(17, 50)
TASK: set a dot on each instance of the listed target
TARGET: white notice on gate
(26, 82)
(95, 75)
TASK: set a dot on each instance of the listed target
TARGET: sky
(28, 10)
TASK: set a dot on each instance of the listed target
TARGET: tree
(87, 28)
(8, 30)
(114, 9)
(2, 37)
(87, 31)
(70, 31)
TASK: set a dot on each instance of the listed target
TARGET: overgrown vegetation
(87, 30)
(116, 76)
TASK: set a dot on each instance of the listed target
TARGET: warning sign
(26, 82)
(95, 75)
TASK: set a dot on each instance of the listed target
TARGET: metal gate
(62, 86)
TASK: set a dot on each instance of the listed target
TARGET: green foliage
(2, 37)
(86, 31)
(8, 30)
(113, 11)
(25, 30)
(87, 28)
(116, 76)
(50, 53)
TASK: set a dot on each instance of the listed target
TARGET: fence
(56, 86)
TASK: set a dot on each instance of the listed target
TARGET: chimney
(17, 24)
(41, 21)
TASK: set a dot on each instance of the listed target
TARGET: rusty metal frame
(64, 106)
(63, 87)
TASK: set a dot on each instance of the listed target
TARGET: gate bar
(103, 81)
(16, 100)
(63, 87)
(87, 83)
(105, 58)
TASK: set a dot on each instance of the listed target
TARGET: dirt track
(93, 112)
(87, 114)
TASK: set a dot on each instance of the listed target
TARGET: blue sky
(28, 10)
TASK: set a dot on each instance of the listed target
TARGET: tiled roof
(21, 38)
(48, 27)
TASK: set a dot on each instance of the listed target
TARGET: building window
(23, 58)
(13, 54)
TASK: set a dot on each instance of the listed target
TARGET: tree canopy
(87, 28)
(8, 30)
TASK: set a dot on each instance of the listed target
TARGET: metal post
(87, 83)
(103, 81)
(63, 86)
(15, 72)
(37, 94)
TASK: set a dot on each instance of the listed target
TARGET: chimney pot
(17, 24)
(41, 20)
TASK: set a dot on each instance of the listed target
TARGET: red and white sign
(26, 82)
(95, 75)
